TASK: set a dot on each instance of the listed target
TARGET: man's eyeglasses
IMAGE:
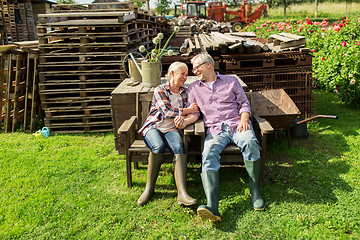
(197, 67)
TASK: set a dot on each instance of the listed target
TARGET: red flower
(307, 18)
(314, 50)
(323, 29)
(299, 29)
(310, 22)
(325, 19)
(324, 24)
(336, 28)
(257, 28)
(323, 59)
(269, 30)
(343, 43)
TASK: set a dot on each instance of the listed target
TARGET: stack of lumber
(16, 21)
(81, 54)
(285, 41)
(19, 97)
(242, 42)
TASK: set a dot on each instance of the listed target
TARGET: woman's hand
(193, 108)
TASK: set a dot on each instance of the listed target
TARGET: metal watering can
(149, 72)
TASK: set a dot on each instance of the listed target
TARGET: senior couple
(225, 110)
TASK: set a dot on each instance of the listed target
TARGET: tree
(283, 3)
(163, 6)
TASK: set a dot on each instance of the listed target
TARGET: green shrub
(336, 51)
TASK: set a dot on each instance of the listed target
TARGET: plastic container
(38, 134)
(45, 132)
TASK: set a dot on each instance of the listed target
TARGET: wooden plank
(10, 74)
(2, 75)
(34, 99)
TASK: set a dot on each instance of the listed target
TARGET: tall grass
(325, 10)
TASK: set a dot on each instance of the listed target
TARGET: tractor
(217, 11)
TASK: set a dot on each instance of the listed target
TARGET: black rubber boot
(180, 170)
(253, 169)
(210, 181)
(154, 163)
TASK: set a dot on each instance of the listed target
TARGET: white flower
(353, 81)
(350, 75)
(181, 22)
(176, 29)
(170, 52)
(142, 48)
(336, 91)
(156, 40)
(160, 36)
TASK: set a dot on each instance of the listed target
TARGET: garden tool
(210, 181)
(154, 163)
(253, 169)
(180, 169)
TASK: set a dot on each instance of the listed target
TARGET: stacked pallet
(18, 91)
(17, 21)
(81, 54)
(289, 70)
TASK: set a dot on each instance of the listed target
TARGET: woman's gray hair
(204, 57)
(174, 67)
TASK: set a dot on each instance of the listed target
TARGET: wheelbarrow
(278, 108)
(299, 128)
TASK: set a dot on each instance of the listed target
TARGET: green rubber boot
(210, 181)
(253, 169)
(154, 163)
(180, 170)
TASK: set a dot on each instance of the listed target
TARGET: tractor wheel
(237, 26)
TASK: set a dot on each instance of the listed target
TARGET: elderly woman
(159, 132)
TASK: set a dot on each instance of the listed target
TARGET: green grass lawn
(74, 187)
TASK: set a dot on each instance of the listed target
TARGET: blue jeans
(158, 141)
(215, 143)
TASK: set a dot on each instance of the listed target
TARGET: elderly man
(226, 112)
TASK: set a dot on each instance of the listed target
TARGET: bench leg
(128, 170)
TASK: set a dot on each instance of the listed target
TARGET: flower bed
(336, 50)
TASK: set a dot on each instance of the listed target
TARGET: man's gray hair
(175, 67)
(204, 57)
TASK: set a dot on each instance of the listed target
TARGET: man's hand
(180, 122)
(243, 126)
(244, 122)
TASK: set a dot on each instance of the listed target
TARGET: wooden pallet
(19, 94)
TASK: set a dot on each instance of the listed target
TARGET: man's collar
(217, 77)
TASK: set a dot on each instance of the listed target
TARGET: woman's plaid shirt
(161, 107)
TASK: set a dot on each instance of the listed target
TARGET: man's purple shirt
(223, 104)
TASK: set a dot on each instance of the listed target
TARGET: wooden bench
(136, 151)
